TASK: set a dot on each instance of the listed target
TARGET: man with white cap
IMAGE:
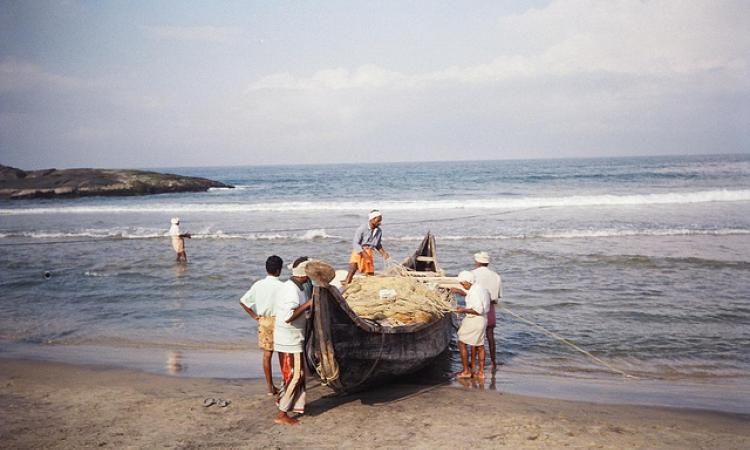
(474, 325)
(491, 281)
(289, 341)
(178, 239)
(368, 236)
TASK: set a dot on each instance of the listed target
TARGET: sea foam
(496, 203)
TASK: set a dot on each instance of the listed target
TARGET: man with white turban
(490, 280)
(368, 236)
(178, 239)
(474, 325)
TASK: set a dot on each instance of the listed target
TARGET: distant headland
(51, 183)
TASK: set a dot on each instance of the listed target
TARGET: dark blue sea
(644, 262)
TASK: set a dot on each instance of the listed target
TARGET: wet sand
(54, 405)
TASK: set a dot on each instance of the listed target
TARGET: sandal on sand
(221, 403)
(208, 402)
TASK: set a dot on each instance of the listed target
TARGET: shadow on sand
(437, 374)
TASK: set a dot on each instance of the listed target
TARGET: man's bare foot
(479, 374)
(464, 374)
(273, 392)
(494, 367)
(283, 419)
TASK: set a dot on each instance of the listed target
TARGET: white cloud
(662, 38)
(207, 33)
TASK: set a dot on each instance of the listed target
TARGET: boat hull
(352, 354)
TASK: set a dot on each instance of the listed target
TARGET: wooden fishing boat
(350, 353)
(424, 261)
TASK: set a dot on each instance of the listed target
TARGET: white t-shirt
(489, 280)
(289, 337)
(478, 299)
(262, 295)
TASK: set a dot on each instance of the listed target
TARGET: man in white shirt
(259, 302)
(289, 340)
(178, 239)
(491, 281)
(473, 327)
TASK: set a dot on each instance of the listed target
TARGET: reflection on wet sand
(478, 383)
(174, 362)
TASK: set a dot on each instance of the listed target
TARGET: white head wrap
(466, 277)
(299, 271)
(175, 220)
(373, 214)
(482, 257)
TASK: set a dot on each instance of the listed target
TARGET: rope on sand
(568, 343)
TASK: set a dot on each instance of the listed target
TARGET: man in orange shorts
(368, 236)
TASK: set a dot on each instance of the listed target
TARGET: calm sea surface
(645, 262)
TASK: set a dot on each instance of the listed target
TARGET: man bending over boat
(259, 303)
(368, 236)
(473, 328)
(490, 280)
(289, 340)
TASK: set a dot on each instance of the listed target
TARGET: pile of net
(395, 301)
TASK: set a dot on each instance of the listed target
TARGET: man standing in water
(178, 239)
(490, 280)
(368, 236)
(259, 302)
(289, 341)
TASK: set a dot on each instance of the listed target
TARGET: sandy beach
(53, 405)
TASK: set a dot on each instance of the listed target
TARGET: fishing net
(395, 300)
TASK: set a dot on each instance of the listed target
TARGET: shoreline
(728, 396)
(55, 405)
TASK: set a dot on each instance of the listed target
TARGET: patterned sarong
(265, 332)
(292, 393)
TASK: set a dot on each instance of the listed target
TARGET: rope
(568, 343)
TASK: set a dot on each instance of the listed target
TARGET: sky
(138, 84)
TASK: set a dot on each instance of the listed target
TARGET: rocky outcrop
(49, 183)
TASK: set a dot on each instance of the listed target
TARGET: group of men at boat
(280, 309)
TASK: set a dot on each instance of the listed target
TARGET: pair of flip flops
(220, 402)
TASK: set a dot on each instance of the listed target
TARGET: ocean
(644, 262)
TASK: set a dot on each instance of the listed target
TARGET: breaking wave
(575, 234)
(309, 235)
(721, 195)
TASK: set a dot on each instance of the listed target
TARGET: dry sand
(51, 405)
